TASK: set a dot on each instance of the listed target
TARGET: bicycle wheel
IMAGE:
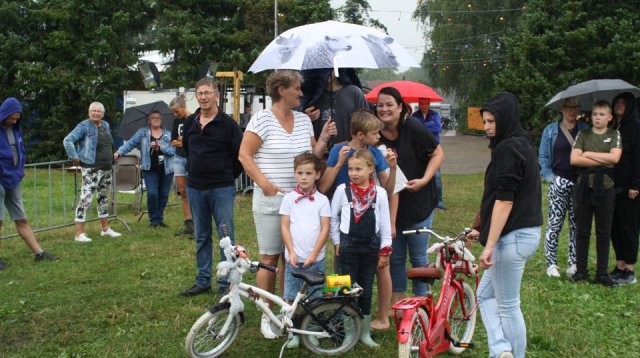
(462, 323)
(203, 341)
(344, 321)
(412, 347)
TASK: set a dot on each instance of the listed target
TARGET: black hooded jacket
(627, 171)
(513, 173)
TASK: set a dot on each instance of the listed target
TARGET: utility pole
(275, 18)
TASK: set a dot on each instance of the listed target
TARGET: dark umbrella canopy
(589, 92)
(135, 118)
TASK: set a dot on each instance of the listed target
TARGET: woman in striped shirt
(272, 139)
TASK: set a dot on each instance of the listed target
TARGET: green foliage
(357, 12)
(231, 32)
(466, 49)
(559, 43)
(57, 56)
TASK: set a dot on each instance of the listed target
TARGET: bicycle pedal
(463, 345)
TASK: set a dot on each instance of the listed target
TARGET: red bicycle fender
(407, 306)
(404, 329)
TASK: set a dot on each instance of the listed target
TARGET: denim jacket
(547, 142)
(86, 135)
(142, 138)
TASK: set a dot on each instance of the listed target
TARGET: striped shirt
(275, 156)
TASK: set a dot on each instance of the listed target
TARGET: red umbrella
(410, 91)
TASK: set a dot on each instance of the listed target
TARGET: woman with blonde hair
(272, 139)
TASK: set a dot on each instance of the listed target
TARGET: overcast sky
(396, 16)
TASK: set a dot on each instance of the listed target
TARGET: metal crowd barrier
(50, 192)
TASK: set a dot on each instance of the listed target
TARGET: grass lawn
(118, 297)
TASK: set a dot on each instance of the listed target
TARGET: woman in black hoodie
(625, 227)
(510, 220)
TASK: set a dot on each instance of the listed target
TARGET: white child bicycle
(326, 325)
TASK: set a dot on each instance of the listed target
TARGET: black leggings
(626, 228)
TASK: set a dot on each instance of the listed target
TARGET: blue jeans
(499, 292)
(158, 185)
(205, 204)
(438, 179)
(293, 285)
(417, 246)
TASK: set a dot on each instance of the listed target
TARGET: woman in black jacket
(510, 220)
(625, 227)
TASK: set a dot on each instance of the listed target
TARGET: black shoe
(194, 290)
(604, 280)
(46, 256)
(162, 224)
(153, 225)
(627, 277)
(441, 206)
(579, 276)
(616, 273)
(3, 265)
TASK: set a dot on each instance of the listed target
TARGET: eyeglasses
(204, 94)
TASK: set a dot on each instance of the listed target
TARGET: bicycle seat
(312, 277)
(426, 272)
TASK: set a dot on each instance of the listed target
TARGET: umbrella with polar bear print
(332, 44)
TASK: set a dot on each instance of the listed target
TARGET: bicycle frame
(258, 295)
(436, 331)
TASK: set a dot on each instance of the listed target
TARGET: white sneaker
(265, 328)
(110, 233)
(83, 238)
(552, 271)
(506, 354)
(571, 270)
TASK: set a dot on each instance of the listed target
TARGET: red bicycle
(426, 329)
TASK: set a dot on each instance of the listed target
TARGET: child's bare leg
(383, 277)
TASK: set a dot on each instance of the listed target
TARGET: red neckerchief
(304, 194)
(361, 199)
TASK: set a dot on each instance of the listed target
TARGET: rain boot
(349, 328)
(294, 342)
(365, 338)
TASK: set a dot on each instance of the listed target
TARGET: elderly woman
(272, 139)
(93, 155)
(419, 156)
(157, 164)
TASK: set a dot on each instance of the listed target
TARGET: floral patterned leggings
(94, 180)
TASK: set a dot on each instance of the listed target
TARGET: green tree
(231, 32)
(560, 43)
(465, 47)
(358, 12)
(57, 56)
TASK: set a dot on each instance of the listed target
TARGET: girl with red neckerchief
(361, 230)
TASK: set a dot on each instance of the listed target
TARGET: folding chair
(128, 179)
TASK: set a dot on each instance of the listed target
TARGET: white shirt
(304, 219)
(275, 156)
(341, 215)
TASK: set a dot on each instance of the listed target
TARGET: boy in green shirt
(595, 152)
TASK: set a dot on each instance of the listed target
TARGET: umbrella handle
(335, 64)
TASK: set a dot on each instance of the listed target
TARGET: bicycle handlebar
(264, 266)
(445, 239)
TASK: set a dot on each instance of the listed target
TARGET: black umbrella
(135, 118)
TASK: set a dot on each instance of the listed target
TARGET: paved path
(465, 154)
